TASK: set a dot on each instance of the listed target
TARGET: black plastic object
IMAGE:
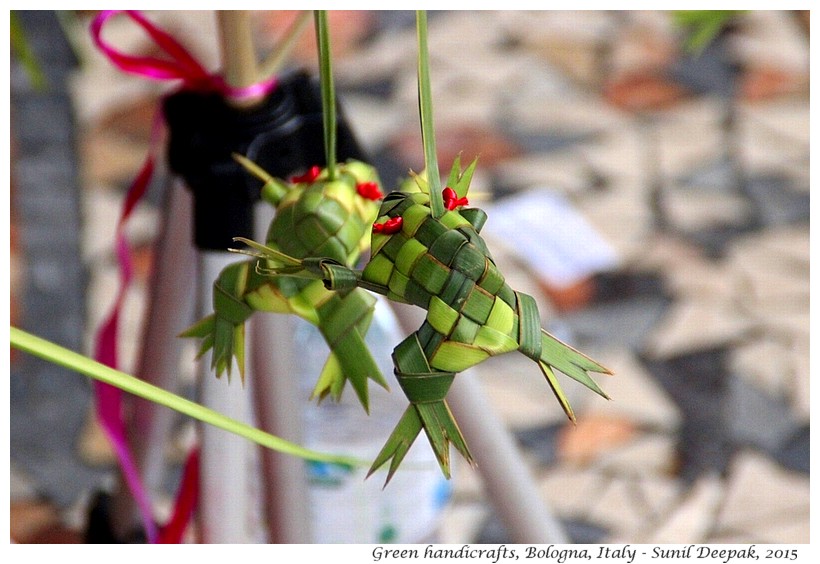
(283, 134)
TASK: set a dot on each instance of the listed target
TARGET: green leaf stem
(328, 90)
(428, 137)
(76, 362)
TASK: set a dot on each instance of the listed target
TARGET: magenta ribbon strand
(179, 65)
(108, 397)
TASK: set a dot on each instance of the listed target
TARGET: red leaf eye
(389, 227)
(451, 199)
(369, 190)
(311, 175)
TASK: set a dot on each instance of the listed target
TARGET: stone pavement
(692, 171)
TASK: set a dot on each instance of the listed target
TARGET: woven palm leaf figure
(314, 217)
(443, 265)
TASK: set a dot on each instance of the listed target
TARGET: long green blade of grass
(76, 362)
(328, 90)
(428, 135)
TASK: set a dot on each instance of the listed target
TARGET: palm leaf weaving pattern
(315, 216)
(442, 265)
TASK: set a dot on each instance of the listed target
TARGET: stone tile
(570, 490)
(619, 153)
(783, 250)
(558, 172)
(545, 102)
(374, 121)
(772, 283)
(636, 396)
(695, 277)
(765, 501)
(660, 494)
(30, 518)
(620, 323)
(801, 387)
(756, 418)
(385, 56)
(468, 141)
(692, 325)
(654, 497)
(783, 324)
(517, 390)
(663, 252)
(773, 37)
(776, 135)
(694, 210)
(766, 364)
(616, 508)
(692, 519)
(788, 242)
(461, 522)
(349, 27)
(570, 41)
(593, 437)
(22, 487)
(649, 453)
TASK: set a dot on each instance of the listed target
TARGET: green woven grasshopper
(442, 265)
(314, 217)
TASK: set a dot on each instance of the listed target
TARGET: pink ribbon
(109, 398)
(179, 65)
(185, 504)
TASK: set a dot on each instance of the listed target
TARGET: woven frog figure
(443, 266)
(315, 216)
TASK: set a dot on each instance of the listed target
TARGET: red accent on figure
(369, 190)
(392, 225)
(308, 177)
(451, 199)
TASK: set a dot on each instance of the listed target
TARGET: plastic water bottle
(346, 507)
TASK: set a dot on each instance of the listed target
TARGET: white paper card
(548, 234)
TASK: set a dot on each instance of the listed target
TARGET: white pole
(508, 482)
(230, 490)
(274, 365)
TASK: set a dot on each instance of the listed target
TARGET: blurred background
(654, 198)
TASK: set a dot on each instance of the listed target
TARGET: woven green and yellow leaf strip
(315, 216)
(426, 389)
(56, 354)
(442, 265)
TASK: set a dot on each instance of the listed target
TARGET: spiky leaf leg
(343, 321)
(224, 330)
(426, 388)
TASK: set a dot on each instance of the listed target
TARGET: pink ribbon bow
(179, 65)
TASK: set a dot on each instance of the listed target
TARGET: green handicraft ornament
(443, 266)
(314, 217)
